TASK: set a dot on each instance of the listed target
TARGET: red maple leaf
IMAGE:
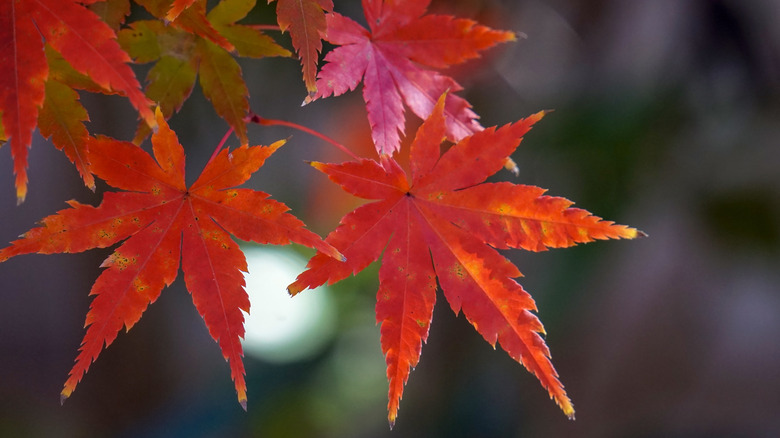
(161, 221)
(389, 59)
(445, 223)
(87, 43)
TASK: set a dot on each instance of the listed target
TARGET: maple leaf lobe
(306, 22)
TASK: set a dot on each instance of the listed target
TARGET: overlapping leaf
(62, 116)
(389, 59)
(182, 56)
(177, 8)
(445, 223)
(83, 40)
(162, 221)
(112, 12)
(305, 19)
(190, 18)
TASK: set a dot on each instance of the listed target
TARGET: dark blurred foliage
(666, 118)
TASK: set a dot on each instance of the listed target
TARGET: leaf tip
(335, 254)
(277, 144)
(331, 252)
(173, 13)
(568, 409)
(294, 289)
(511, 166)
(151, 118)
(633, 233)
(563, 402)
(159, 117)
(21, 192)
(540, 115)
(242, 402)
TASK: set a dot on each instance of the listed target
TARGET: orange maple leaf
(78, 34)
(162, 221)
(305, 19)
(177, 7)
(445, 223)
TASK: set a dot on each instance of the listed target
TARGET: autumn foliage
(436, 226)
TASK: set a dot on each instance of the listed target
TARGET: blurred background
(667, 118)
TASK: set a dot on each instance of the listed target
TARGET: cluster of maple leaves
(439, 223)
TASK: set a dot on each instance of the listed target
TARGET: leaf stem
(265, 27)
(270, 122)
(219, 146)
